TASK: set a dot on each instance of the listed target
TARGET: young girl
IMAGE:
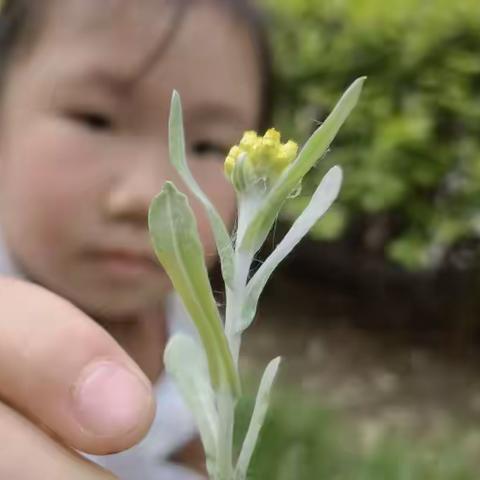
(85, 95)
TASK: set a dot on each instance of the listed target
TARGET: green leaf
(322, 199)
(257, 420)
(178, 160)
(315, 147)
(176, 242)
(186, 363)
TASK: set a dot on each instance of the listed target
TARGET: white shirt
(173, 426)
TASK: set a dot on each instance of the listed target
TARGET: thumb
(68, 375)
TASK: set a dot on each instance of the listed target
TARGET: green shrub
(411, 150)
(303, 441)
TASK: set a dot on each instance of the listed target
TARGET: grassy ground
(362, 405)
(302, 441)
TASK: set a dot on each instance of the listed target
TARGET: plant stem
(225, 402)
(235, 300)
(226, 410)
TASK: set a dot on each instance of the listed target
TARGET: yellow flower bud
(265, 158)
(272, 134)
(229, 165)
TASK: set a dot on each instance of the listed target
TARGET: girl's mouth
(125, 263)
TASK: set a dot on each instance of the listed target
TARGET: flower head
(259, 158)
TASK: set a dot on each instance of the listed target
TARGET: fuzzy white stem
(234, 303)
(226, 410)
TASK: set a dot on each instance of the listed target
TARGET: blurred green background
(375, 314)
(302, 441)
(411, 149)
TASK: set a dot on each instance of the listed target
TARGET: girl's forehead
(138, 23)
(94, 13)
(200, 50)
(136, 34)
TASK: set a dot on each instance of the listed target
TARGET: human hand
(65, 385)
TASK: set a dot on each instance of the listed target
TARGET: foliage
(305, 441)
(264, 173)
(412, 155)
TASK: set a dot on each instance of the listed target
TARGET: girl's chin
(109, 297)
(122, 307)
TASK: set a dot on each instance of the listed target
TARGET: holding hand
(64, 384)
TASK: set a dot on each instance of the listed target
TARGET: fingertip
(109, 400)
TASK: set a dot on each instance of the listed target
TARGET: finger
(27, 452)
(64, 371)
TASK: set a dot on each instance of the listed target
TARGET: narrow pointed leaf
(176, 242)
(321, 200)
(257, 420)
(178, 160)
(185, 362)
(315, 147)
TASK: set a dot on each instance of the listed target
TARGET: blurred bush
(303, 441)
(411, 149)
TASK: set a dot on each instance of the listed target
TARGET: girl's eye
(206, 147)
(93, 120)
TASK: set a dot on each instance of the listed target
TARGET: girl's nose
(130, 195)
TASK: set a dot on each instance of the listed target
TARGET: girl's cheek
(210, 175)
(223, 197)
(213, 183)
(66, 159)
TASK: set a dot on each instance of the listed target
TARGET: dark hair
(14, 18)
(256, 22)
(19, 19)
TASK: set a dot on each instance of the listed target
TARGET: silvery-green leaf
(186, 363)
(321, 200)
(174, 234)
(178, 160)
(257, 420)
(315, 147)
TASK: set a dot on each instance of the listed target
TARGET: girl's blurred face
(83, 141)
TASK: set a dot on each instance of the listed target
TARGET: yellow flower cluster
(264, 157)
